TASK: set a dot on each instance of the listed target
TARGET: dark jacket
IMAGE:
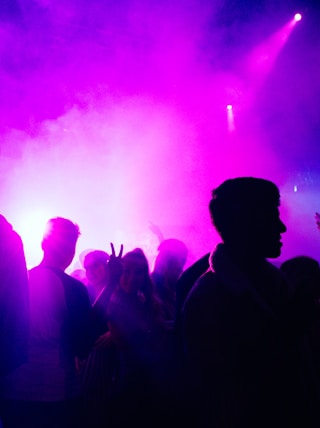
(14, 300)
(78, 330)
(245, 345)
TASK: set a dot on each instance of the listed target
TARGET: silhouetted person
(98, 370)
(137, 329)
(14, 301)
(242, 332)
(45, 391)
(96, 271)
(168, 266)
(184, 285)
(303, 276)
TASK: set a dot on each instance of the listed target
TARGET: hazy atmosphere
(114, 114)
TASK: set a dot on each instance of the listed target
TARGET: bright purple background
(113, 113)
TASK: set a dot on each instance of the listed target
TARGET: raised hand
(113, 253)
(115, 265)
(156, 230)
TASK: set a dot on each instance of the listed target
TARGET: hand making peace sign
(115, 265)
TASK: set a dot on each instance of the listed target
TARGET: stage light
(230, 118)
(297, 17)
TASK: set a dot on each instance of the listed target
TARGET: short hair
(235, 198)
(174, 248)
(98, 256)
(61, 230)
(301, 268)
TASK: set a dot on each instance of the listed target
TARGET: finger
(121, 251)
(113, 253)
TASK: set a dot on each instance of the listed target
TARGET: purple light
(297, 17)
(230, 118)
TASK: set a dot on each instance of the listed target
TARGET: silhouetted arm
(156, 231)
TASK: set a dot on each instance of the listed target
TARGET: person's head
(245, 212)
(135, 277)
(95, 265)
(171, 258)
(303, 274)
(59, 242)
(79, 274)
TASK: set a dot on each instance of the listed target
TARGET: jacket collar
(239, 282)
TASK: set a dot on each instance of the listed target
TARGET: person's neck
(244, 257)
(52, 263)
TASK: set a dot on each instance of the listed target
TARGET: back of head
(238, 198)
(174, 247)
(172, 253)
(303, 272)
(97, 256)
(59, 241)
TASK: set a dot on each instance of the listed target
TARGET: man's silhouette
(45, 391)
(243, 335)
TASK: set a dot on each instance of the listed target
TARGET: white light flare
(230, 118)
(297, 17)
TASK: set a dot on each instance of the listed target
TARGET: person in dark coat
(14, 303)
(14, 300)
(243, 334)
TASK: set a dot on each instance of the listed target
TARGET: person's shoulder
(194, 271)
(203, 292)
(40, 272)
(74, 281)
(204, 302)
(206, 284)
(74, 284)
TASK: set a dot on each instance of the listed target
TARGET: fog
(113, 114)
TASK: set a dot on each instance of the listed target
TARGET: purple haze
(114, 115)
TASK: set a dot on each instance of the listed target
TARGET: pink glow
(230, 118)
(121, 119)
(262, 59)
(31, 227)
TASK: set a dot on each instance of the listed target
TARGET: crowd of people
(230, 342)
